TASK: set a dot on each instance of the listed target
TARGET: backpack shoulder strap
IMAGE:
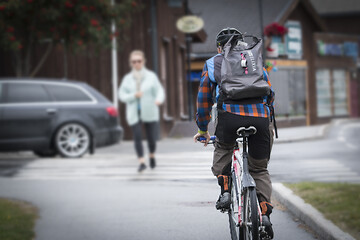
(214, 68)
(217, 67)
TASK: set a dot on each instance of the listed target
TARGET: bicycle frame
(241, 176)
(243, 185)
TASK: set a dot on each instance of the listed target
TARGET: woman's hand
(138, 94)
(158, 103)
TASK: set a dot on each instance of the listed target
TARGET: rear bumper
(108, 136)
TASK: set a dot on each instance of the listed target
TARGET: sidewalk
(297, 134)
(286, 135)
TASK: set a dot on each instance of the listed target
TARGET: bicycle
(245, 218)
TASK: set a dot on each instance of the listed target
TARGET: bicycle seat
(245, 132)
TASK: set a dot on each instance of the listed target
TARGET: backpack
(242, 70)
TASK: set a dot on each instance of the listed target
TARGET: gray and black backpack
(242, 70)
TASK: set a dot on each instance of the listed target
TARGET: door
(27, 117)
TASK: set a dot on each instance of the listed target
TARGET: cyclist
(230, 116)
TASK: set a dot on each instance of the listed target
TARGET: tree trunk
(42, 60)
(29, 51)
(18, 64)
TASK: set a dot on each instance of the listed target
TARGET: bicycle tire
(250, 227)
(233, 213)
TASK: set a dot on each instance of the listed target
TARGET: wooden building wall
(345, 24)
(172, 55)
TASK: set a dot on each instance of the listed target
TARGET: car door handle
(51, 111)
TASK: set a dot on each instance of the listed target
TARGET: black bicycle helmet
(224, 35)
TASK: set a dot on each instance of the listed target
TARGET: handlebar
(212, 139)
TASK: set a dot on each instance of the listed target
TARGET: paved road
(103, 197)
(132, 210)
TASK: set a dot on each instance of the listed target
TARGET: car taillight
(112, 111)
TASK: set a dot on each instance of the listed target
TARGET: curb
(308, 214)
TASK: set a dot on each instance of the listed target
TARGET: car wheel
(46, 153)
(72, 140)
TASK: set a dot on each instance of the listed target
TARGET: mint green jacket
(152, 91)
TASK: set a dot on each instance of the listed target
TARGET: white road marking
(327, 170)
(342, 134)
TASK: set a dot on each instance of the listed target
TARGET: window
(22, 92)
(323, 93)
(331, 87)
(340, 98)
(63, 93)
(290, 88)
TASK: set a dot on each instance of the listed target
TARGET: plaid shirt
(206, 99)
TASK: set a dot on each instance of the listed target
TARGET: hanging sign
(189, 24)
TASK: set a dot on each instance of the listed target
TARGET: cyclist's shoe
(266, 210)
(224, 201)
(152, 163)
(268, 227)
(142, 167)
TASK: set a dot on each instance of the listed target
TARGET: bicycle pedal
(264, 236)
(224, 210)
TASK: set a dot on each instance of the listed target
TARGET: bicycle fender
(248, 181)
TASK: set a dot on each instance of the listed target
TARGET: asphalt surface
(116, 209)
(103, 197)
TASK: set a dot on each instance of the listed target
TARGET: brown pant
(257, 167)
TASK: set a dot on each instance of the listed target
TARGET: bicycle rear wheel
(250, 227)
(234, 213)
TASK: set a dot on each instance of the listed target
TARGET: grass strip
(17, 220)
(338, 202)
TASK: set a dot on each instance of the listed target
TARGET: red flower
(94, 22)
(12, 38)
(2, 8)
(30, 1)
(68, 4)
(52, 29)
(275, 29)
(10, 29)
(80, 42)
(84, 8)
(133, 3)
(122, 21)
(92, 8)
(74, 27)
(20, 46)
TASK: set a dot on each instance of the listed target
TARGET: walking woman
(143, 94)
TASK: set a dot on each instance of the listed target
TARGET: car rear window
(64, 93)
(26, 93)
